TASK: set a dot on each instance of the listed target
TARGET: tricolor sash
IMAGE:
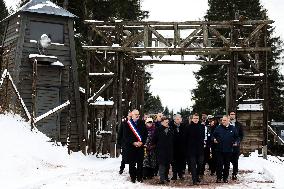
(133, 129)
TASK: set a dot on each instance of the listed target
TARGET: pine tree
(153, 103)
(185, 113)
(3, 14)
(210, 93)
(166, 111)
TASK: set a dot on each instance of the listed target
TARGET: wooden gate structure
(239, 45)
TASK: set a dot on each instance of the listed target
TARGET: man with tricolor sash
(135, 135)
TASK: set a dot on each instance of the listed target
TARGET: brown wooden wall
(253, 134)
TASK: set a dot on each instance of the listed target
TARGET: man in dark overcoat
(178, 163)
(195, 147)
(163, 141)
(225, 137)
(135, 135)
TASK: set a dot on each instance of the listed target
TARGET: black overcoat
(178, 142)
(195, 134)
(130, 152)
(163, 141)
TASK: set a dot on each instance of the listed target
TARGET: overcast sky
(173, 83)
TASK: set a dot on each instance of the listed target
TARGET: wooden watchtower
(45, 77)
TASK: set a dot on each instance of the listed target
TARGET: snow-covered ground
(29, 161)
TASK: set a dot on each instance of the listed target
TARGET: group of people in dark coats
(153, 146)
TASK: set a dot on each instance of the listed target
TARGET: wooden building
(54, 76)
(251, 117)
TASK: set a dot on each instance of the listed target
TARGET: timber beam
(177, 51)
(143, 23)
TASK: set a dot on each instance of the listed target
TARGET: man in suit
(178, 163)
(134, 137)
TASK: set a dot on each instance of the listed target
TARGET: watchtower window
(54, 31)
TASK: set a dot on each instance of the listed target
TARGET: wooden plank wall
(253, 133)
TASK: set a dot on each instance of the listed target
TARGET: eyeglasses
(150, 122)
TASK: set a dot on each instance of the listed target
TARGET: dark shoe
(194, 183)
(161, 182)
(181, 178)
(218, 181)
(199, 179)
(133, 180)
(168, 180)
(174, 178)
(140, 180)
(120, 172)
(234, 177)
(225, 181)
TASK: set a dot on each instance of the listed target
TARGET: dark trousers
(235, 162)
(122, 165)
(148, 172)
(223, 165)
(164, 171)
(196, 162)
(136, 170)
(206, 159)
(178, 167)
(213, 162)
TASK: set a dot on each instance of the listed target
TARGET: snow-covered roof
(250, 107)
(45, 7)
(101, 102)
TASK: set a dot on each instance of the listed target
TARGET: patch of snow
(41, 56)
(250, 107)
(33, 41)
(115, 45)
(82, 90)
(57, 63)
(41, 5)
(52, 111)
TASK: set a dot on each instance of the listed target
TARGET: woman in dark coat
(163, 140)
(150, 159)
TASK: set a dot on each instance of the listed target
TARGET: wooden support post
(147, 36)
(115, 110)
(176, 35)
(86, 104)
(6, 107)
(33, 115)
(205, 35)
(142, 91)
(120, 87)
(265, 97)
(232, 84)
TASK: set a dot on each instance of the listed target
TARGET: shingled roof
(44, 7)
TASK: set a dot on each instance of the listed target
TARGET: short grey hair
(177, 115)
